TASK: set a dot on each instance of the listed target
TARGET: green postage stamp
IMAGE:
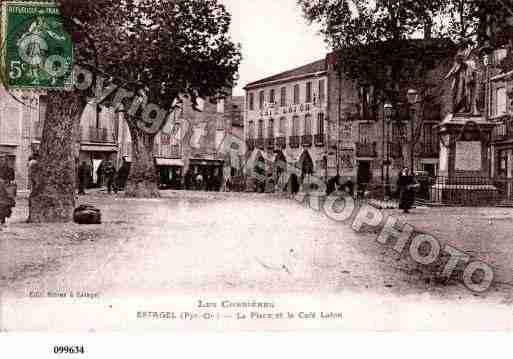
(37, 52)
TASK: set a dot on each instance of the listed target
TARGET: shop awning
(169, 162)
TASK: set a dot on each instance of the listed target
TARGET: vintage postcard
(233, 165)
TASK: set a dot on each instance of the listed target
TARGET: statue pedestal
(464, 172)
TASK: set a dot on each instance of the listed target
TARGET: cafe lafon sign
(37, 52)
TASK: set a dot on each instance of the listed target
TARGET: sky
(274, 37)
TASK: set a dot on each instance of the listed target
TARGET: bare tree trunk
(53, 197)
(142, 181)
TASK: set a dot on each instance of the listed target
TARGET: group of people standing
(114, 180)
(203, 181)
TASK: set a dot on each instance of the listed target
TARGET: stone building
(21, 123)
(370, 149)
(323, 124)
(285, 121)
(195, 141)
(501, 113)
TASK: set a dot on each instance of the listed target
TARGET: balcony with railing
(269, 143)
(97, 135)
(307, 140)
(395, 150)
(294, 141)
(366, 149)
(260, 143)
(281, 142)
(320, 139)
(503, 129)
(167, 151)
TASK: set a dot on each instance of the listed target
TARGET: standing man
(109, 173)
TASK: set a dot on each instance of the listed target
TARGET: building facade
(323, 124)
(205, 141)
(200, 141)
(369, 148)
(286, 121)
(501, 113)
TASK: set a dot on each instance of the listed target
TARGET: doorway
(363, 176)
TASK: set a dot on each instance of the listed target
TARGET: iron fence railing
(97, 134)
(458, 191)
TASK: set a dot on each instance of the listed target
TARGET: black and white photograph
(255, 166)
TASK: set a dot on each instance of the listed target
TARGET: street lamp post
(412, 96)
(388, 109)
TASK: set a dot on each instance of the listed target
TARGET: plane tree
(141, 57)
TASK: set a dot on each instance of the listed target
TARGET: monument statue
(466, 83)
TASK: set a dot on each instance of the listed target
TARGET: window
(283, 97)
(251, 101)
(220, 123)
(295, 126)
(322, 93)
(260, 128)
(431, 135)
(272, 98)
(251, 130)
(308, 124)
(220, 106)
(503, 164)
(261, 99)
(296, 94)
(308, 92)
(43, 100)
(283, 126)
(501, 101)
(366, 132)
(270, 128)
(320, 124)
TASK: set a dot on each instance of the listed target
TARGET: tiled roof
(317, 66)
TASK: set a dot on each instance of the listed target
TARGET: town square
(163, 149)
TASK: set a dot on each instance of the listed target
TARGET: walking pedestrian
(407, 186)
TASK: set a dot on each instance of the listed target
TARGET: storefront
(93, 156)
(170, 172)
(211, 171)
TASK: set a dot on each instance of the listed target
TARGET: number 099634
(65, 349)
